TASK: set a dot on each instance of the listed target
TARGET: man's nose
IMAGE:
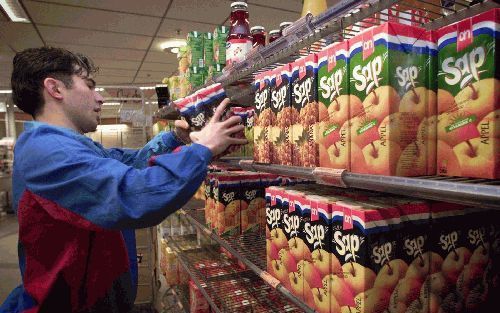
(98, 97)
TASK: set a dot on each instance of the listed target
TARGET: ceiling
(123, 37)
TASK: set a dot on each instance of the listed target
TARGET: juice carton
(388, 74)
(275, 236)
(324, 273)
(253, 198)
(228, 204)
(334, 106)
(219, 44)
(469, 98)
(305, 102)
(366, 246)
(413, 244)
(449, 242)
(476, 282)
(297, 257)
(427, 130)
(263, 118)
(280, 134)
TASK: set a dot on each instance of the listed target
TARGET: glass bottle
(239, 39)
(258, 36)
(274, 34)
(283, 26)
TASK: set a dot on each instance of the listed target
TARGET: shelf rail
(240, 255)
(483, 193)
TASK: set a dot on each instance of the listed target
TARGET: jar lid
(239, 3)
(285, 24)
(274, 31)
(257, 28)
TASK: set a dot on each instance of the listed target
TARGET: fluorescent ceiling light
(172, 43)
(5, 91)
(147, 87)
(111, 103)
(97, 89)
(14, 10)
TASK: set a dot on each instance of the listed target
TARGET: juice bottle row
(394, 100)
(342, 251)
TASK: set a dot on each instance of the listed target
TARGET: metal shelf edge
(262, 274)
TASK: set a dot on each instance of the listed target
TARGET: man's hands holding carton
(217, 135)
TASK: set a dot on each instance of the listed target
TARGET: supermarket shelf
(217, 284)
(469, 191)
(250, 249)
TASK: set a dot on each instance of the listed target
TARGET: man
(78, 202)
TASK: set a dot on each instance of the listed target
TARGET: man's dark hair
(32, 66)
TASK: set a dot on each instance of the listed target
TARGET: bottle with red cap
(284, 25)
(239, 39)
(274, 34)
(258, 36)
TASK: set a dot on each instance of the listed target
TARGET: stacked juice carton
(394, 100)
(468, 130)
(235, 201)
(367, 252)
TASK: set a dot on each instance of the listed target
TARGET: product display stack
(370, 184)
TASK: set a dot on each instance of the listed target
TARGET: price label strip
(329, 176)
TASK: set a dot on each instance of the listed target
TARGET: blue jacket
(77, 205)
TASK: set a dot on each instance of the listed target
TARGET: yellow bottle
(313, 6)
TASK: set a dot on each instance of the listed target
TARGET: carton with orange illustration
(263, 118)
(275, 236)
(389, 75)
(324, 273)
(305, 102)
(252, 194)
(469, 98)
(285, 116)
(297, 257)
(334, 105)
(367, 247)
(228, 205)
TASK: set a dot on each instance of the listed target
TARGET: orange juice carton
(388, 76)
(305, 103)
(253, 197)
(228, 204)
(469, 97)
(449, 247)
(296, 258)
(263, 118)
(324, 274)
(334, 105)
(280, 132)
(209, 199)
(367, 247)
(413, 244)
(275, 236)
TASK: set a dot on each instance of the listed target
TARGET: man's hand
(217, 135)
(182, 131)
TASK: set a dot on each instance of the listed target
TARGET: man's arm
(104, 191)
(164, 142)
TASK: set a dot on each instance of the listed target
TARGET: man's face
(83, 104)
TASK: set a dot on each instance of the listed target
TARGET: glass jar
(258, 36)
(274, 34)
(239, 39)
(283, 26)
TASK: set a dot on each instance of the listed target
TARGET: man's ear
(53, 87)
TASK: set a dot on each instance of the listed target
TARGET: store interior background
(123, 37)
